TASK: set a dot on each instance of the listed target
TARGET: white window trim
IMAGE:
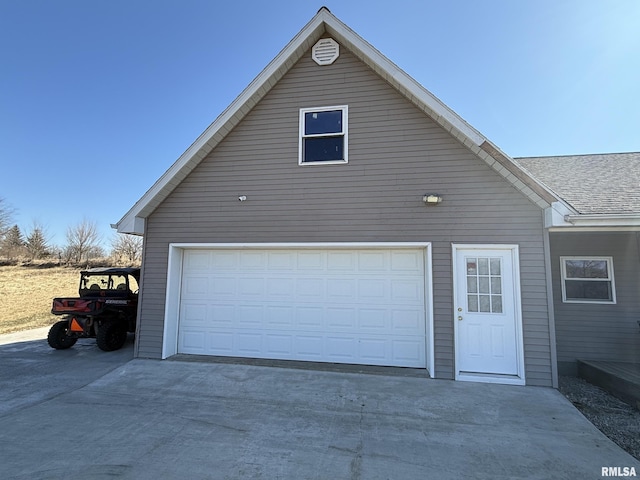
(563, 273)
(345, 134)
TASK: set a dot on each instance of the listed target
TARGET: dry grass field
(26, 294)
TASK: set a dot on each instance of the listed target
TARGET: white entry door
(487, 314)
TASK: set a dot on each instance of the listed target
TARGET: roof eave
(598, 222)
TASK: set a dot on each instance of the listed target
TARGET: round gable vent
(325, 51)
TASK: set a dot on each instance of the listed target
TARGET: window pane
(588, 290)
(472, 266)
(496, 285)
(495, 266)
(586, 269)
(496, 303)
(323, 122)
(323, 149)
(483, 266)
(472, 286)
(483, 284)
(472, 303)
(485, 303)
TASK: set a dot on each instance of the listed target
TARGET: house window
(323, 135)
(587, 280)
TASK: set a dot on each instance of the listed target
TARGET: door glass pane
(472, 285)
(472, 266)
(484, 284)
(496, 285)
(483, 266)
(472, 303)
(496, 303)
(485, 303)
(495, 266)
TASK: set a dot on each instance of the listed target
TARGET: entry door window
(484, 284)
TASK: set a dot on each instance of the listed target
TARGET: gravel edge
(616, 419)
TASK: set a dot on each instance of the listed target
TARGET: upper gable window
(323, 135)
(587, 280)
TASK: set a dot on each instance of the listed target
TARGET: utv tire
(58, 338)
(111, 336)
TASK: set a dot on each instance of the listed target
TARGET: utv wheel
(111, 337)
(58, 337)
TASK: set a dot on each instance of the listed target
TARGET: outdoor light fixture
(432, 199)
(242, 198)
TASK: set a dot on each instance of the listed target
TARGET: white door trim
(518, 379)
(174, 275)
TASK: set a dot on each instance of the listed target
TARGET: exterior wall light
(432, 199)
(242, 198)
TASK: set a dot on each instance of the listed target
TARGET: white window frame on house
(609, 279)
(303, 136)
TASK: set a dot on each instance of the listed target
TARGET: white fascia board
(560, 217)
(599, 221)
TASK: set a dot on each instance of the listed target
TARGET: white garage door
(361, 306)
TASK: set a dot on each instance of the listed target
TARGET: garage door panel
(196, 286)
(252, 261)
(279, 316)
(221, 286)
(310, 317)
(281, 288)
(407, 322)
(407, 261)
(221, 342)
(345, 306)
(374, 261)
(310, 261)
(341, 261)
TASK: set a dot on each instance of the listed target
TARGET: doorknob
(459, 309)
(459, 317)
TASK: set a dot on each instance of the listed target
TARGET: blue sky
(98, 98)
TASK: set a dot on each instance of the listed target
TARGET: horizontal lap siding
(599, 332)
(396, 155)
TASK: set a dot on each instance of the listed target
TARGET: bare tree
(6, 217)
(82, 241)
(128, 247)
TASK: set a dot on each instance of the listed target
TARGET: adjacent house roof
(322, 25)
(603, 183)
(596, 186)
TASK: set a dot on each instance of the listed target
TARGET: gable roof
(591, 184)
(323, 24)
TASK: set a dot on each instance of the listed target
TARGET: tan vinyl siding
(396, 155)
(599, 331)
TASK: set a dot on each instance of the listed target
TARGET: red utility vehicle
(105, 310)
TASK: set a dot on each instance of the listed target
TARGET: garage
(347, 304)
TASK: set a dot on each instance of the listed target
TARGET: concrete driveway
(87, 414)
